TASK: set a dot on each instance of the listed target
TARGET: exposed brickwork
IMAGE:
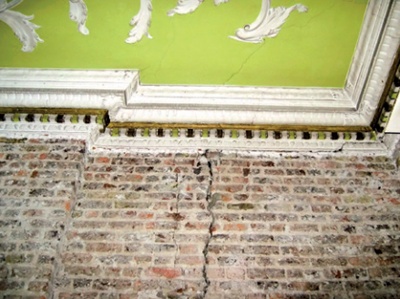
(38, 182)
(196, 225)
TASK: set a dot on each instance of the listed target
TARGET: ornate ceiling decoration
(276, 118)
(267, 24)
(20, 24)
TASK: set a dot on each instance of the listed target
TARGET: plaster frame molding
(353, 105)
(106, 89)
(20, 24)
(394, 123)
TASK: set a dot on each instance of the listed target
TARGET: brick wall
(196, 225)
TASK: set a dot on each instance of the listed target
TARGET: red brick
(122, 224)
(169, 273)
(235, 273)
(103, 160)
(235, 227)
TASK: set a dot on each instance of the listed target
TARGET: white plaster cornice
(128, 101)
(91, 89)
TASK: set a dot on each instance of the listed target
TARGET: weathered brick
(265, 273)
(169, 273)
(142, 225)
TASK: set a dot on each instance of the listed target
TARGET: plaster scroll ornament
(20, 24)
(268, 23)
(78, 13)
(189, 6)
(141, 23)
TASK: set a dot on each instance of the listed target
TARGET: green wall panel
(312, 49)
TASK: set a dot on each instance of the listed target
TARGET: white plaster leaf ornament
(185, 7)
(189, 6)
(20, 24)
(141, 23)
(218, 2)
(78, 13)
(268, 23)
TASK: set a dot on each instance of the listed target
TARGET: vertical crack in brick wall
(177, 216)
(56, 278)
(205, 161)
(37, 188)
(211, 224)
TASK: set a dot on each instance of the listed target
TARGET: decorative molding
(354, 105)
(393, 117)
(141, 23)
(48, 125)
(268, 23)
(124, 139)
(78, 13)
(20, 24)
(102, 89)
(222, 106)
(389, 120)
(89, 125)
(373, 63)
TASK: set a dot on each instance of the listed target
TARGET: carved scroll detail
(141, 22)
(189, 6)
(78, 13)
(267, 24)
(185, 7)
(20, 24)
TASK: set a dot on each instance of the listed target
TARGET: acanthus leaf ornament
(218, 2)
(185, 7)
(20, 24)
(141, 22)
(268, 23)
(78, 13)
(189, 6)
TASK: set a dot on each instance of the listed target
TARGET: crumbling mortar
(203, 159)
(178, 182)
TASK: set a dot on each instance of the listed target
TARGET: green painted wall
(313, 49)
